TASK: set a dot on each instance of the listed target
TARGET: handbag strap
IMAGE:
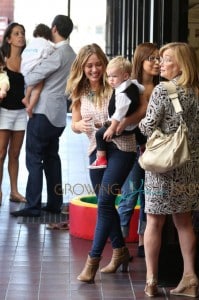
(171, 89)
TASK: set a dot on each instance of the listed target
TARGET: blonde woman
(90, 94)
(173, 197)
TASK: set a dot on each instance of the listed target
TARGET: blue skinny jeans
(133, 189)
(107, 185)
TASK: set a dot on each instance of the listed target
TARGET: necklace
(91, 95)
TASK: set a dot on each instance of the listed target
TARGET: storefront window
(193, 24)
(88, 17)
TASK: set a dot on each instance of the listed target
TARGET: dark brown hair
(142, 52)
(64, 25)
(6, 48)
(2, 59)
(42, 30)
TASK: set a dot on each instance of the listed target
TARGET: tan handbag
(165, 152)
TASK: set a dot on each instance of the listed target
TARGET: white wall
(88, 17)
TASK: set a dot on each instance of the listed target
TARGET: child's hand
(87, 125)
(3, 94)
(121, 126)
(108, 134)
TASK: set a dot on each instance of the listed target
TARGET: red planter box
(83, 213)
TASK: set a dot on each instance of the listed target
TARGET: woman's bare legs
(152, 243)
(187, 240)
(4, 139)
(16, 141)
(189, 284)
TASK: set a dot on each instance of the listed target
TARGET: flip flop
(58, 226)
(17, 199)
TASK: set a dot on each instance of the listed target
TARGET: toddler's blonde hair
(121, 63)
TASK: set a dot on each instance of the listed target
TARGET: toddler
(124, 101)
(39, 48)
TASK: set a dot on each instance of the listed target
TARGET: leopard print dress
(176, 191)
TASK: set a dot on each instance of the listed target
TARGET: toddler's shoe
(99, 163)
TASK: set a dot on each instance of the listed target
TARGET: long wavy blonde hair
(77, 83)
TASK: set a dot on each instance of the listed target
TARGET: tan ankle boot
(120, 257)
(188, 286)
(89, 270)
